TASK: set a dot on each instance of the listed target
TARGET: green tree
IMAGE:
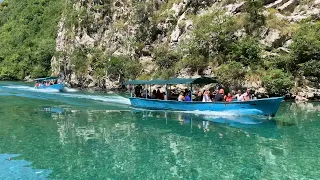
(27, 31)
(246, 51)
(254, 16)
(306, 43)
(166, 58)
(276, 81)
(212, 36)
(120, 67)
(312, 69)
(79, 61)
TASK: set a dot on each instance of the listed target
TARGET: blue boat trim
(267, 106)
(58, 87)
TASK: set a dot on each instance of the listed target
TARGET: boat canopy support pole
(167, 95)
(146, 91)
(130, 88)
(191, 92)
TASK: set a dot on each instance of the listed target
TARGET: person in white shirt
(239, 96)
(206, 96)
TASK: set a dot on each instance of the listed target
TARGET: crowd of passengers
(45, 83)
(204, 96)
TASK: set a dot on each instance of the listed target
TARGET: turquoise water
(82, 135)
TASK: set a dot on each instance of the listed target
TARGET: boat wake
(70, 93)
(226, 112)
(70, 90)
(108, 98)
(29, 88)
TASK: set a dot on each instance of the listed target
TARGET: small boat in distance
(267, 106)
(48, 83)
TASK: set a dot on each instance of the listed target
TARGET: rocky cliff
(94, 33)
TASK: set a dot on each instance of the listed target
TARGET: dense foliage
(276, 81)
(27, 37)
(239, 59)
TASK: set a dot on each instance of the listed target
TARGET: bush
(306, 43)
(132, 69)
(123, 67)
(213, 35)
(277, 82)
(194, 63)
(311, 68)
(164, 74)
(246, 51)
(166, 58)
(283, 62)
(79, 60)
(231, 74)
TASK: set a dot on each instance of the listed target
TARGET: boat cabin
(48, 81)
(168, 83)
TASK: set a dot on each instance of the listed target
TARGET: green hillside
(27, 37)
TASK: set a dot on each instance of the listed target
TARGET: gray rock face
(235, 8)
(288, 6)
(175, 34)
(265, 2)
(148, 64)
(117, 28)
(276, 4)
(273, 38)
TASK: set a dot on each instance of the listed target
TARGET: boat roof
(46, 78)
(201, 80)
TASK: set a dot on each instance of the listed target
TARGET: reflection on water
(68, 141)
(12, 169)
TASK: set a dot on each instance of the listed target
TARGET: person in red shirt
(229, 98)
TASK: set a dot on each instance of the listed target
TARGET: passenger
(199, 96)
(206, 96)
(220, 95)
(187, 97)
(154, 95)
(186, 91)
(181, 97)
(233, 94)
(164, 96)
(247, 95)
(229, 98)
(144, 94)
(137, 91)
(158, 94)
(214, 94)
(239, 96)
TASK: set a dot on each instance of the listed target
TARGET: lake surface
(82, 135)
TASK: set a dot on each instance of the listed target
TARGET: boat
(48, 83)
(266, 106)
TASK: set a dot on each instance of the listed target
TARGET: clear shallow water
(80, 135)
